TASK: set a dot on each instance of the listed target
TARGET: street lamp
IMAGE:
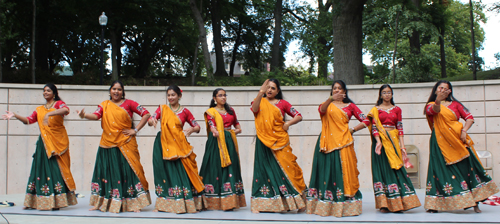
(103, 20)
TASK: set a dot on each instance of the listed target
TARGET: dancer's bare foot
(255, 212)
(301, 210)
(156, 210)
(432, 211)
(25, 208)
(476, 209)
(137, 211)
(93, 209)
(384, 210)
(55, 209)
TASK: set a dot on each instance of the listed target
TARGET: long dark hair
(226, 105)
(278, 96)
(380, 100)
(342, 84)
(121, 84)
(433, 96)
(54, 90)
(176, 89)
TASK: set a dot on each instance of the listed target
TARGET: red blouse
(227, 118)
(457, 108)
(391, 117)
(285, 107)
(184, 115)
(58, 105)
(129, 105)
(351, 109)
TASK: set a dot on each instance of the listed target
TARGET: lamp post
(103, 20)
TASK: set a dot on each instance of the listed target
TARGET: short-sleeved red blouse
(227, 118)
(184, 115)
(58, 105)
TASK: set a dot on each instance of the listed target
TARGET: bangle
(135, 129)
(262, 91)
(353, 130)
(330, 98)
(464, 130)
(403, 148)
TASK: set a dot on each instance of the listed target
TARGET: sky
(491, 44)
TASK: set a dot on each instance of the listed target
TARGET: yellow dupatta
(390, 140)
(173, 140)
(56, 142)
(175, 146)
(269, 125)
(114, 120)
(335, 135)
(221, 140)
(335, 130)
(448, 129)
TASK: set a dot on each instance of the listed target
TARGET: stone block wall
(17, 141)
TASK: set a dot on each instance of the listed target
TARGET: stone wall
(17, 141)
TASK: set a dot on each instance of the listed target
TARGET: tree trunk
(348, 40)
(33, 40)
(115, 48)
(275, 52)
(443, 53)
(395, 49)
(203, 39)
(322, 59)
(237, 43)
(220, 66)
(415, 36)
(473, 42)
(195, 61)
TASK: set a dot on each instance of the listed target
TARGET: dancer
(50, 185)
(456, 178)
(278, 184)
(394, 191)
(221, 170)
(334, 186)
(177, 183)
(118, 183)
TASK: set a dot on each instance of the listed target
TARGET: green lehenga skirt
(46, 187)
(223, 186)
(325, 196)
(271, 189)
(174, 190)
(393, 188)
(115, 187)
(456, 186)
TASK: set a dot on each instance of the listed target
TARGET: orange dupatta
(56, 142)
(175, 146)
(221, 140)
(336, 127)
(114, 120)
(335, 135)
(390, 140)
(448, 129)
(269, 125)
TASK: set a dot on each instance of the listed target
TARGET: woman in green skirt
(394, 191)
(278, 184)
(50, 184)
(177, 183)
(334, 186)
(220, 169)
(456, 178)
(118, 183)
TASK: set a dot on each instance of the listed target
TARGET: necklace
(175, 111)
(50, 105)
